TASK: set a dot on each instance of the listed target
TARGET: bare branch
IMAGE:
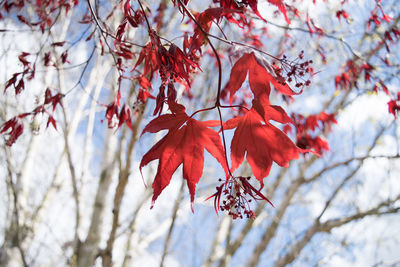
(327, 226)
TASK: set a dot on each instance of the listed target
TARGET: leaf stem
(201, 110)
(223, 140)
(234, 106)
(144, 14)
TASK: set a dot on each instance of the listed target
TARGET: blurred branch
(119, 191)
(35, 217)
(327, 226)
(215, 252)
(14, 232)
(348, 161)
(361, 159)
(270, 231)
(87, 251)
(75, 192)
(323, 34)
(132, 229)
(171, 227)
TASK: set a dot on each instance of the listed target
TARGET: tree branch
(327, 226)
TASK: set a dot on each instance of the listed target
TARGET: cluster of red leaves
(49, 60)
(28, 73)
(239, 5)
(134, 18)
(45, 12)
(348, 78)
(17, 80)
(306, 136)
(233, 11)
(254, 135)
(14, 127)
(342, 14)
(352, 71)
(392, 36)
(375, 19)
(116, 117)
(173, 65)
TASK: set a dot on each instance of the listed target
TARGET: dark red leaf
(14, 128)
(125, 116)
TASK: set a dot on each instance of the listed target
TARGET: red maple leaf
(263, 142)
(184, 144)
(260, 77)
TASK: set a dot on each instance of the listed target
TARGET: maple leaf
(263, 142)
(260, 77)
(215, 15)
(184, 144)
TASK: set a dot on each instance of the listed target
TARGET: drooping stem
(223, 140)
